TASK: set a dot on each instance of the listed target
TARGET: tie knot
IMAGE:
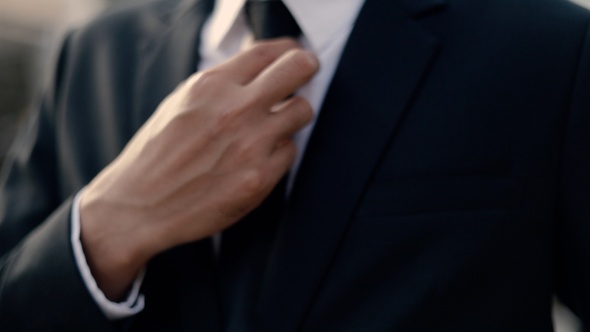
(271, 19)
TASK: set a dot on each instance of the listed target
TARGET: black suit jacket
(446, 186)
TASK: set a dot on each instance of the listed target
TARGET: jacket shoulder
(132, 21)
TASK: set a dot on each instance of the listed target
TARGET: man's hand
(211, 153)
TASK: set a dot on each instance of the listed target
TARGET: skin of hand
(210, 153)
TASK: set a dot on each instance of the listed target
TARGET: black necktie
(270, 19)
(245, 247)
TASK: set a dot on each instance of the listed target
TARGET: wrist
(114, 250)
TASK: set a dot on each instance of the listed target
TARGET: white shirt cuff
(113, 310)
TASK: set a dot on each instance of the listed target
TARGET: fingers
(289, 117)
(284, 76)
(264, 75)
(245, 66)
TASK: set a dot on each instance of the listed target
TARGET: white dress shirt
(326, 26)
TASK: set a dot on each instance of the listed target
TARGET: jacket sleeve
(573, 229)
(40, 286)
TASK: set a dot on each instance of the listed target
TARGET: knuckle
(299, 111)
(254, 101)
(304, 107)
(303, 61)
(224, 121)
(206, 80)
(181, 122)
(247, 104)
(230, 116)
(252, 182)
(246, 150)
(263, 52)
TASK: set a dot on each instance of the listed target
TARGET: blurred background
(30, 32)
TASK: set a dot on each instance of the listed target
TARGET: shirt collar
(320, 21)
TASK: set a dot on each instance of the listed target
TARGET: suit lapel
(385, 59)
(170, 54)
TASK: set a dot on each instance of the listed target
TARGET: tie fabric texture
(245, 247)
(270, 19)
